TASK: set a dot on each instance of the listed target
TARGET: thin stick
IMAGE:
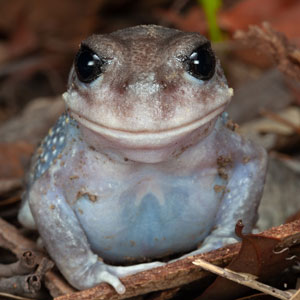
(10, 200)
(10, 296)
(296, 295)
(244, 279)
(275, 117)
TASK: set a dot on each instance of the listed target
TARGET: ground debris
(25, 276)
(182, 272)
(284, 53)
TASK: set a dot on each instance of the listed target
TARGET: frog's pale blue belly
(160, 222)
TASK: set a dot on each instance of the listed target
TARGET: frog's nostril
(163, 84)
(123, 87)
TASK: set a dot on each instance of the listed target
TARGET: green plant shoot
(211, 8)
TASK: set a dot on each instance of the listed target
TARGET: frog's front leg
(241, 197)
(67, 243)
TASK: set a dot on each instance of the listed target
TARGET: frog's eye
(87, 65)
(202, 62)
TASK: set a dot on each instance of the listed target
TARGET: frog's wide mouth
(140, 138)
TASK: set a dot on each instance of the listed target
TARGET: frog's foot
(96, 274)
(100, 272)
(130, 270)
(209, 244)
(212, 243)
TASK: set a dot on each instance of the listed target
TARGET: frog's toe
(209, 244)
(87, 277)
(113, 280)
(215, 242)
(130, 270)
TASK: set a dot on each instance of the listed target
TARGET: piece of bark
(180, 272)
(163, 295)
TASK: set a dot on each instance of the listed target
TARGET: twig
(35, 279)
(12, 239)
(244, 279)
(25, 265)
(10, 296)
(296, 296)
(28, 285)
(44, 266)
(21, 285)
(275, 117)
(10, 200)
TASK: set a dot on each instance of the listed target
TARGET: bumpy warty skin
(142, 164)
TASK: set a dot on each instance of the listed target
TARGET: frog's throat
(138, 138)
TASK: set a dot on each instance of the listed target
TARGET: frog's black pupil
(202, 62)
(87, 65)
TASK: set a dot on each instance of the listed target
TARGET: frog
(143, 165)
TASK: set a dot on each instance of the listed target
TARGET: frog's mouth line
(153, 137)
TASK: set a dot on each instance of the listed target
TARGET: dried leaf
(285, 54)
(256, 257)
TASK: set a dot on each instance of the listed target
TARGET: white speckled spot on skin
(52, 146)
(61, 139)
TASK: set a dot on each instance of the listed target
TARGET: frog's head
(146, 91)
